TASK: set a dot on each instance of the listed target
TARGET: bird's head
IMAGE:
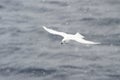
(64, 41)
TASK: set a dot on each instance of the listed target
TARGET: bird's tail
(91, 42)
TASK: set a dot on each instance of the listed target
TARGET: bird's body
(67, 37)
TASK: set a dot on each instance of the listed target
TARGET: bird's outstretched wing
(54, 32)
(79, 35)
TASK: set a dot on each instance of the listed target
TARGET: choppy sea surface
(28, 52)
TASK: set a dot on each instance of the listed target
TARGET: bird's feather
(79, 35)
(54, 32)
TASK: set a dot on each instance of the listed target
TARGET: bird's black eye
(61, 42)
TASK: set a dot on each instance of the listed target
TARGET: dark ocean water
(28, 52)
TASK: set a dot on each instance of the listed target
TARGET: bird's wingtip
(97, 43)
(44, 26)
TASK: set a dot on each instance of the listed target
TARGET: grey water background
(28, 52)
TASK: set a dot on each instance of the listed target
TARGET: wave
(27, 71)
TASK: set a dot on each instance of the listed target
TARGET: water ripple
(27, 71)
(58, 3)
(102, 21)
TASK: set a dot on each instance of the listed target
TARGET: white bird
(67, 37)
